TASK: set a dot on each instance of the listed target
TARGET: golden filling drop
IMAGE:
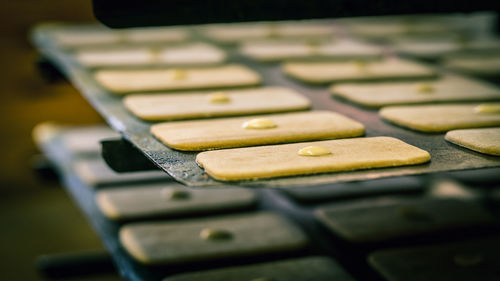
(219, 97)
(487, 108)
(259, 123)
(215, 234)
(175, 193)
(425, 88)
(314, 151)
(178, 74)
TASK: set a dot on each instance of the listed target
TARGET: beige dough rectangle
(485, 141)
(169, 200)
(185, 54)
(439, 118)
(170, 79)
(449, 88)
(184, 241)
(233, 33)
(474, 63)
(284, 160)
(276, 50)
(175, 106)
(229, 132)
(76, 36)
(341, 72)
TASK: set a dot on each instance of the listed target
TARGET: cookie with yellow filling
(256, 130)
(185, 54)
(485, 141)
(287, 159)
(342, 50)
(170, 79)
(210, 238)
(357, 71)
(170, 200)
(174, 106)
(442, 118)
(449, 88)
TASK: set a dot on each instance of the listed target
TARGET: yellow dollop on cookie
(219, 97)
(314, 151)
(487, 108)
(259, 123)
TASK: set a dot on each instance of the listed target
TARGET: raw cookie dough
(277, 50)
(449, 88)
(78, 36)
(124, 81)
(486, 141)
(357, 71)
(169, 200)
(157, 107)
(234, 33)
(186, 54)
(230, 132)
(284, 160)
(439, 118)
(183, 241)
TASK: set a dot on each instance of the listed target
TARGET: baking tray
(182, 166)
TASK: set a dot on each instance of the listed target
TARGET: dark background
(35, 217)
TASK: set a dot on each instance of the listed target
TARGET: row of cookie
(81, 36)
(426, 118)
(200, 53)
(293, 127)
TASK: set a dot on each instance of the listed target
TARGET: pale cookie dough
(174, 106)
(93, 35)
(230, 132)
(449, 88)
(439, 118)
(277, 50)
(284, 160)
(178, 242)
(482, 64)
(356, 71)
(234, 33)
(486, 141)
(124, 81)
(170, 199)
(186, 54)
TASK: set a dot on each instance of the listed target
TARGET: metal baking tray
(181, 165)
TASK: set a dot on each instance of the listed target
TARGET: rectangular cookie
(382, 220)
(169, 79)
(474, 63)
(357, 71)
(77, 36)
(234, 33)
(449, 88)
(169, 200)
(96, 173)
(317, 157)
(186, 54)
(175, 106)
(210, 238)
(441, 118)
(485, 141)
(472, 258)
(277, 50)
(239, 132)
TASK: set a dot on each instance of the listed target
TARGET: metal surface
(182, 167)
